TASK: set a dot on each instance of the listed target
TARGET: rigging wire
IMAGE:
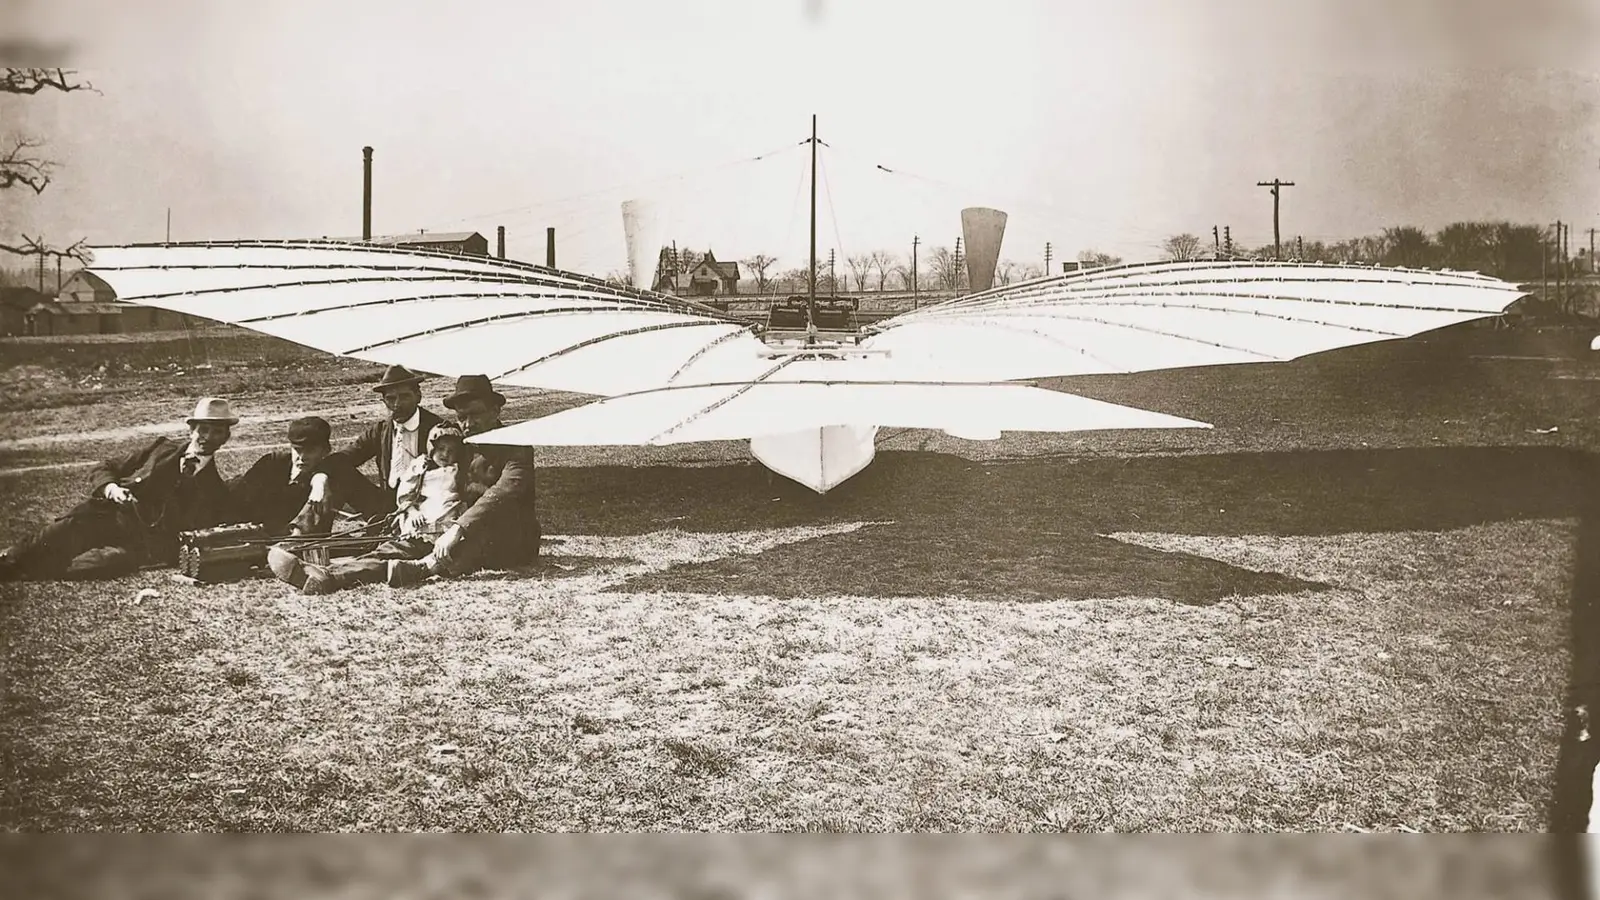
(794, 202)
(1039, 206)
(832, 214)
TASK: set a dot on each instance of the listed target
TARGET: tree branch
(32, 81)
(16, 168)
(32, 246)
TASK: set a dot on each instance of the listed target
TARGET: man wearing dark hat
(392, 443)
(499, 530)
(137, 506)
(277, 490)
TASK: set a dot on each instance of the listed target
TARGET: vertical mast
(811, 297)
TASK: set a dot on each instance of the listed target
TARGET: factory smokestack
(550, 247)
(366, 193)
(500, 242)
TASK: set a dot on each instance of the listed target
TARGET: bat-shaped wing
(1173, 315)
(442, 313)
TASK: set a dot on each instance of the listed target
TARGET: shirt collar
(411, 423)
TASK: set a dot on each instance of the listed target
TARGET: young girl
(436, 488)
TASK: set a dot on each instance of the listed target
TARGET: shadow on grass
(1033, 529)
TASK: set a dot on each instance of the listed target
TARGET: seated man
(291, 489)
(137, 506)
(391, 443)
(499, 528)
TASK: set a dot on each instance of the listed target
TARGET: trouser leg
(371, 568)
(89, 526)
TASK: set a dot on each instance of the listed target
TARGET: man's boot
(309, 578)
(411, 572)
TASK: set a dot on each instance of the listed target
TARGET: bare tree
(1030, 272)
(860, 268)
(1181, 247)
(1004, 272)
(884, 262)
(1094, 259)
(759, 264)
(21, 165)
(942, 267)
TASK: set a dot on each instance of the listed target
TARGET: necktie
(191, 465)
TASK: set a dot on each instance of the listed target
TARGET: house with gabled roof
(710, 277)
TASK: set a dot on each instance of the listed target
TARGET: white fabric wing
(441, 313)
(730, 412)
(1138, 318)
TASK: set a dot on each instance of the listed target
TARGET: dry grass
(1327, 637)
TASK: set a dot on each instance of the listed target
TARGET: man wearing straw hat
(392, 443)
(137, 506)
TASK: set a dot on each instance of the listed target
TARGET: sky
(1096, 126)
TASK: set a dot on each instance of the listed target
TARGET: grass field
(1343, 608)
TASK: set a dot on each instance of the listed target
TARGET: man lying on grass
(136, 508)
(139, 504)
(447, 523)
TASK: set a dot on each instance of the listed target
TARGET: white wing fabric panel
(730, 412)
(1138, 318)
(439, 313)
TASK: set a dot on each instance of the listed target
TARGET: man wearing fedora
(500, 529)
(277, 490)
(391, 443)
(137, 506)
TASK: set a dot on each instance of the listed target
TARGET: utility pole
(1591, 251)
(41, 270)
(1216, 241)
(1560, 292)
(957, 262)
(833, 280)
(1227, 241)
(811, 294)
(1299, 247)
(169, 224)
(1275, 184)
(1047, 257)
(915, 240)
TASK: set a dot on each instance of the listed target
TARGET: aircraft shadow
(1032, 529)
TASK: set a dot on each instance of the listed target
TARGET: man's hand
(411, 522)
(446, 544)
(319, 493)
(118, 494)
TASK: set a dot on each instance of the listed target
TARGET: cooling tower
(981, 231)
(641, 224)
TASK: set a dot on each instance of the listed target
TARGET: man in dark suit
(501, 528)
(392, 443)
(137, 506)
(285, 489)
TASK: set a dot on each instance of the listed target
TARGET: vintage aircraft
(671, 370)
